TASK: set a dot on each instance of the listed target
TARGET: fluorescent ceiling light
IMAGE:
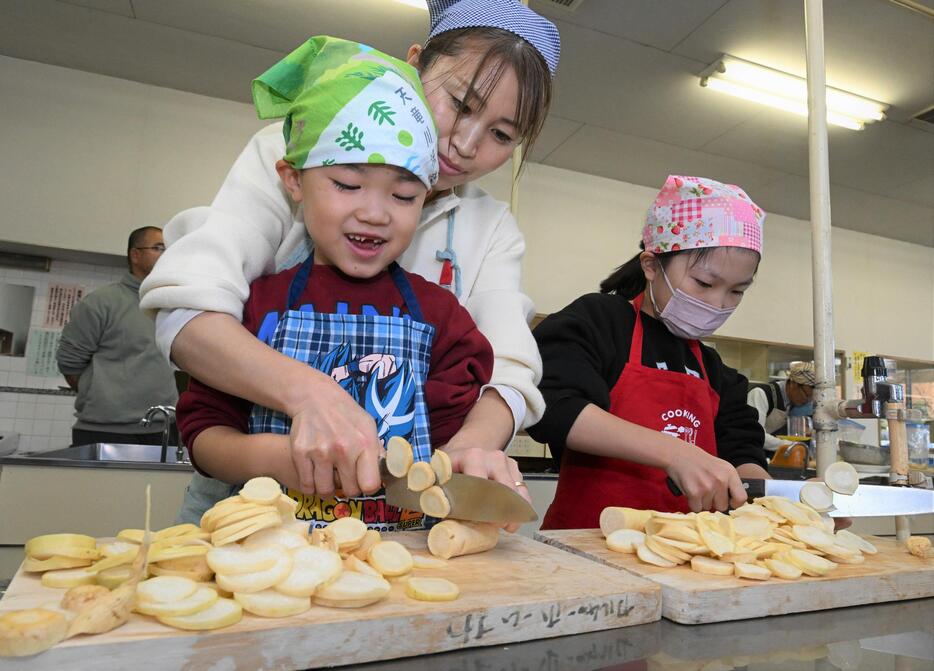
(784, 91)
(418, 4)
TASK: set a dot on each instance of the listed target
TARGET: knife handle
(754, 488)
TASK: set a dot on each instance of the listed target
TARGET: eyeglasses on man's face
(156, 248)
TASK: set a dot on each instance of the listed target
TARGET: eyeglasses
(157, 248)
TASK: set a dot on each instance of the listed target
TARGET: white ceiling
(627, 105)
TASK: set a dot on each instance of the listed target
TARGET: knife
(867, 501)
(473, 499)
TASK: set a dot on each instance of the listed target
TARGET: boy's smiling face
(361, 217)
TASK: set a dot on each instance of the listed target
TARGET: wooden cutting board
(689, 597)
(519, 591)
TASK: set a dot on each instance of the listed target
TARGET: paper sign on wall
(857, 358)
(61, 298)
(40, 352)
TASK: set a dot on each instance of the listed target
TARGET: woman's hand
(331, 432)
(707, 481)
(478, 447)
(489, 464)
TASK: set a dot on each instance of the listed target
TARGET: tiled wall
(43, 421)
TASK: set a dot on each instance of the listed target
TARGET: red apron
(677, 404)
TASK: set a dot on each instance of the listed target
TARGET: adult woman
(486, 70)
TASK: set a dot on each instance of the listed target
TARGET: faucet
(168, 413)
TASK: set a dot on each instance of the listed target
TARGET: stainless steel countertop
(863, 638)
(102, 455)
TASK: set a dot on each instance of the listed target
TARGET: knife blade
(867, 501)
(473, 499)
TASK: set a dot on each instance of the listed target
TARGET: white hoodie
(252, 229)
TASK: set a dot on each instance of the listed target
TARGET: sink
(113, 452)
(104, 455)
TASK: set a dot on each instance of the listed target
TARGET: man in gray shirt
(108, 355)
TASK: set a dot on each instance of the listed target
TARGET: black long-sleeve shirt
(584, 348)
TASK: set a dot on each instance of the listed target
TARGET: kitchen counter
(868, 638)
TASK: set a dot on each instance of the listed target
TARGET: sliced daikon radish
(808, 562)
(783, 569)
(854, 542)
(614, 517)
(399, 456)
(817, 495)
(841, 477)
(668, 552)
(843, 555)
(420, 477)
(426, 562)
(354, 563)
(753, 526)
(783, 535)
(298, 527)
(69, 577)
(257, 582)
(163, 589)
(238, 530)
(431, 589)
(221, 613)
(390, 558)
(247, 512)
(787, 509)
(270, 603)
(114, 576)
(287, 507)
(274, 536)
(370, 539)
(751, 571)
(57, 545)
(348, 532)
(625, 540)
(711, 566)
(715, 541)
(813, 536)
(679, 532)
(352, 590)
(115, 548)
(311, 567)
(262, 490)
(738, 557)
(649, 557)
(78, 598)
(441, 465)
(201, 599)
(237, 559)
(31, 565)
(28, 632)
(434, 502)
(758, 510)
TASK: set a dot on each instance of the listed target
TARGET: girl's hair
(629, 279)
(500, 49)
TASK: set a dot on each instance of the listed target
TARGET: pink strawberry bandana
(695, 212)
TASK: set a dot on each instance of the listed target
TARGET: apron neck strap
(635, 349)
(302, 277)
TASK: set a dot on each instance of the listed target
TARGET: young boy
(361, 156)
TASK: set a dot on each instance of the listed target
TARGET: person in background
(487, 69)
(108, 354)
(777, 401)
(633, 397)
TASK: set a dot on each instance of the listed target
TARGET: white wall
(579, 227)
(86, 158)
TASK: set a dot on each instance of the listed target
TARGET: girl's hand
(707, 481)
(489, 464)
(331, 432)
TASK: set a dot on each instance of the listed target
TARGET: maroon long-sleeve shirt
(461, 357)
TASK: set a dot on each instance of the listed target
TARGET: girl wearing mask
(632, 396)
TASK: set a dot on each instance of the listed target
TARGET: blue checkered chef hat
(510, 15)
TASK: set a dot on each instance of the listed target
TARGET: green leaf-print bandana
(345, 102)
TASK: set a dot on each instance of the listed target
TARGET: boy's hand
(707, 481)
(491, 465)
(331, 432)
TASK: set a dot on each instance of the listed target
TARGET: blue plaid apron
(382, 362)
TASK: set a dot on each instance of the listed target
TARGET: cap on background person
(802, 373)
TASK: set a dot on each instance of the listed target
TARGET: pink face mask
(688, 317)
